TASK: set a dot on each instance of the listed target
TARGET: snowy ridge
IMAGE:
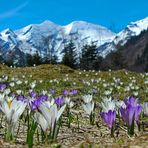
(95, 32)
(133, 29)
(50, 38)
(48, 35)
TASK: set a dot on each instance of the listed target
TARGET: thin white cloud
(13, 11)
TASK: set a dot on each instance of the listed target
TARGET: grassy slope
(69, 78)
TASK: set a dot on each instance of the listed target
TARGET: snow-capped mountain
(49, 38)
(90, 32)
(131, 30)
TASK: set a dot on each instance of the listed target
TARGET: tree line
(86, 59)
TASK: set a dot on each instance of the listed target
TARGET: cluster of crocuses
(129, 110)
(42, 110)
(46, 110)
(12, 109)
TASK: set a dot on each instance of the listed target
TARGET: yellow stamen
(9, 104)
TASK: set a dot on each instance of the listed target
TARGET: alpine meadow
(74, 74)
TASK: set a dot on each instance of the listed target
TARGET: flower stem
(9, 136)
(112, 131)
(78, 122)
(131, 129)
(92, 118)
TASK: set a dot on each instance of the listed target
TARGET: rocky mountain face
(132, 30)
(133, 55)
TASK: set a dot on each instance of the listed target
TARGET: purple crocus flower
(59, 101)
(35, 104)
(131, 111)
(131, 100)
(21, 98)
(2, 87)
(12, 95)
(74, 92)
(65, 92)
(127, 114)
(109, 118)
(36, 101)
(33, 94)
(43, 98)
(94, 91)
(52, 91)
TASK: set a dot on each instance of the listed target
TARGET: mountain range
(48, 37)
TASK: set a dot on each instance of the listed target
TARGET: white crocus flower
(135, 93)
(145, 108)
(5, 78)
(33, 84)
(146, 81)
(19, 82)
(69, 102)
(127, 88)
(18, 92)
(12, 84)
(40, 119)
(88, 107)
(7, 91)
(48, 104)
(107, 92)
(51, 114)
(87, 98)
(2, 97)
(104, 85)
(26, 82)
(13, 110)
(108, 104)
(74, 83)
(44, 92)
(136, 87)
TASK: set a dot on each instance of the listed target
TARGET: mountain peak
(7, 31)
(7, 34)
(142, 21)
(133, 29)
(89, 29)
(138, 26)
(47, 22)
(84, 25)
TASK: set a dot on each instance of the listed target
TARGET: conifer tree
(90, 59)
(33, 59)
(69, 57)
(118, 60)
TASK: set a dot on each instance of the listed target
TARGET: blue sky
(114, 14)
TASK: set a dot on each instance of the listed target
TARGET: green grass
(76, 78)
